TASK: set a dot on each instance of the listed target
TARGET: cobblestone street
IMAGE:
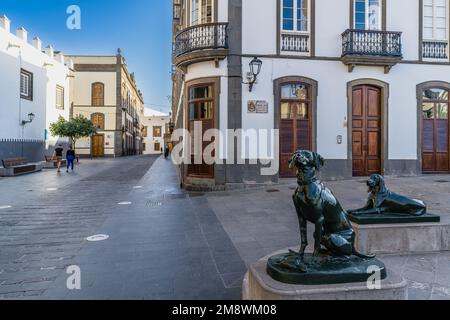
(164, 243)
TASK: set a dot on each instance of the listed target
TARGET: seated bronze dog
(382, 201)
(317, 204)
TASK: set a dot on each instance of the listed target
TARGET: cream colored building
(155, 127)
(105, 92)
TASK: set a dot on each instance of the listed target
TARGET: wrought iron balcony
(200, 43)
(369, 47)
(435, 49)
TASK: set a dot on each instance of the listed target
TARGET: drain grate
(441, 181)
(272, 190)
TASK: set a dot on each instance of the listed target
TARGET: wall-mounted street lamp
(255, 68)
(31, 117)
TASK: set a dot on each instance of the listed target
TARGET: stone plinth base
(258, 285)
(403, 237)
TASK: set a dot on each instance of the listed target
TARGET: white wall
(13, 109)
(259, 26)
(333, 77)
(150, 122)
(83, 83)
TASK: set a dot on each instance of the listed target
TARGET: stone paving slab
(263, 220)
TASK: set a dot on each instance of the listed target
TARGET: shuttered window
(26, 85)
(435, 20)
(98, 94)
(59, 97)
(98, 119)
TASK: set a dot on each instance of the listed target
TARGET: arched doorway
(295, 116)
(367, 126)
(433, 105)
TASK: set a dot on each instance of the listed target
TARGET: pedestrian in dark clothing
(70, 156)
(166, 153)
(58, 155)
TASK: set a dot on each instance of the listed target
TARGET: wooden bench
(18, 166)
(51, 162)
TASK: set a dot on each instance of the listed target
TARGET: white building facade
(155, 127)
(33, 81)
(365, 83)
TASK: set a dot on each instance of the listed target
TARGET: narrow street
(164, 244)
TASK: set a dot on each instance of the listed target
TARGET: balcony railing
(372, 43)
(435, 49)
(295, 42)
(201, 37)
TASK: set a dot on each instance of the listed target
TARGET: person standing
(58, 155)
(70, 156)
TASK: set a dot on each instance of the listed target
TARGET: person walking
(70, 156)
(58, 155)
(166, 153)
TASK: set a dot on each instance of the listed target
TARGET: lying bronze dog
(317, 204)
(382, 200)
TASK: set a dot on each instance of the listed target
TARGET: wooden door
(435, 131)
(200, 110)
(366, 131)
(295, 124)
(98, 149)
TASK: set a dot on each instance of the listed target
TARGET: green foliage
(76, 128)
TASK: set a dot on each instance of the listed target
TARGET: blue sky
(141, 28)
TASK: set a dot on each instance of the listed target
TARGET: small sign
(257, 106)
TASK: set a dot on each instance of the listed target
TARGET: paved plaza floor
(165, 243)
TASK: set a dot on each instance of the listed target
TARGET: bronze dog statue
(317, 204)
(382, 200)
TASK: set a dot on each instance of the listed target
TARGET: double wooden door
(295, 124)
(435, 131)
(366, 130)
(98, 145)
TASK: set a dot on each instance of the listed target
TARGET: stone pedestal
(403, 238)
(258, 285)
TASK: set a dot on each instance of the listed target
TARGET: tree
(74, 129)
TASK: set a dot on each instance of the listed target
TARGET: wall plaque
(257, 106)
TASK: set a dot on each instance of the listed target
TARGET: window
(145, 132)
(98, 119)
(144, 146)
(435, 19)
(201, 12)
(26, 85)
(295, 15)
(59, 97)
(98, 94)
(295, 101)
(157, 147)
(367, 14)
(157, 132)
(295, 26)
(200, 103)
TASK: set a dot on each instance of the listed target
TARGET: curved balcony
(371, 48)
(200, 43)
